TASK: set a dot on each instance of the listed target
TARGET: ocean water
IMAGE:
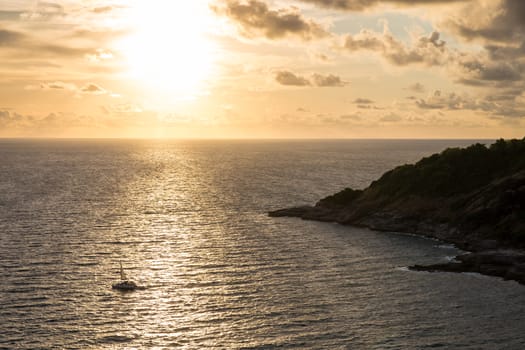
(188, 221)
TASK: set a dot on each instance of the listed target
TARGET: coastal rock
(472, 197)
(508, 264)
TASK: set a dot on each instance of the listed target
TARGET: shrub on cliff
(454, 170)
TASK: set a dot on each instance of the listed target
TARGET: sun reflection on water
(187, 220)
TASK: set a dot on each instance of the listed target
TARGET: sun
(169, 50)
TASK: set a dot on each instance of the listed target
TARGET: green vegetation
(478, 189)
(472, 197)
(455, 170)
(343, 197)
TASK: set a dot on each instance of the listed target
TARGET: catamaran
(124, 284)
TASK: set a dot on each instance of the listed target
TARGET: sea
(188, 221)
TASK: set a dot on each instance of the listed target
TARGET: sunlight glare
(168, 50)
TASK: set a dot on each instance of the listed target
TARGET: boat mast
(122, 274)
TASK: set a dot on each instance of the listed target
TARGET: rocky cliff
(472, 197)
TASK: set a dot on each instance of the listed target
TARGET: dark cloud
(256, 19)
(10, 15)
(501, 21)
(504, 96)
(92, 89)
(452, 101)
(56, 86)
(365, 103)
(499, 52)
(323, 57)
(108, 8)
(500, 72)
(362, 101)
(509, 103)
(497, 67)
(360, 5)
(103, 9)
(438, 100)
(416, 87)
(289, 78)
(319, 80)
(481, 71)
(500, 26)
(10, 38)
(429, 50)
(328, 80)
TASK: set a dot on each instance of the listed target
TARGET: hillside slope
(472, 197)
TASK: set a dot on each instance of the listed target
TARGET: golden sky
(262, 68)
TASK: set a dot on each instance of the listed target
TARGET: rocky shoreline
(473, 198)
(485, 256)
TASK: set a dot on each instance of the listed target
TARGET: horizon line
(252, 139)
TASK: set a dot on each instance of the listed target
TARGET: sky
(262, 68)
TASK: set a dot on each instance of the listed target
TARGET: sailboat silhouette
(124, 284)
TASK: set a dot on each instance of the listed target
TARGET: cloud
(438, 100)
(351, 117)
(362, 101)
(27, 44)
(44, 11)
(500, 27)
(93, 89)
(103, 9)
(427, 50)
(360, 5)
(488, 68)
(123, 109)
(10, 38)
(67, 124)
(452, 101)
(289, 78)
(9, 119)
(498, 21)
(477, 70)
(10, 15)
(52, 124)
(365, 103)
(99, 55)
(55, 85)
(87, 89)
(254, 18)
(319, 80)
(391, 118)
(328, 80)
(416, 87)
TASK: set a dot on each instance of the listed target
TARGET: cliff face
(473, 197)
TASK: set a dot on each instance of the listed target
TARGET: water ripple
(187, 220)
